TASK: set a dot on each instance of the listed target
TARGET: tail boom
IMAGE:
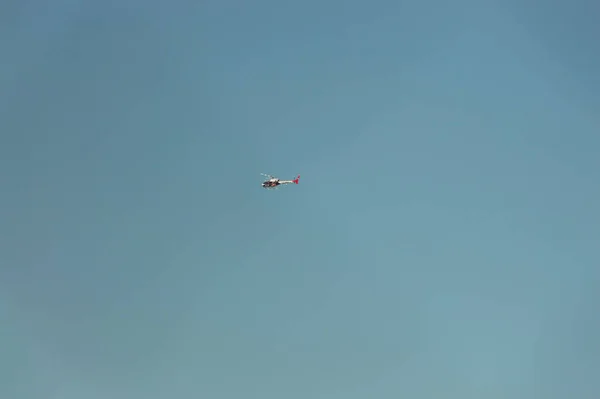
(295, 181)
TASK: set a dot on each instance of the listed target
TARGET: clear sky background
(443, 242)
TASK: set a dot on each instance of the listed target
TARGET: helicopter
(274, 182)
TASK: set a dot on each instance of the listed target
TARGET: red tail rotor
(296, 180)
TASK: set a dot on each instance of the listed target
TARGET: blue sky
(443, 241)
